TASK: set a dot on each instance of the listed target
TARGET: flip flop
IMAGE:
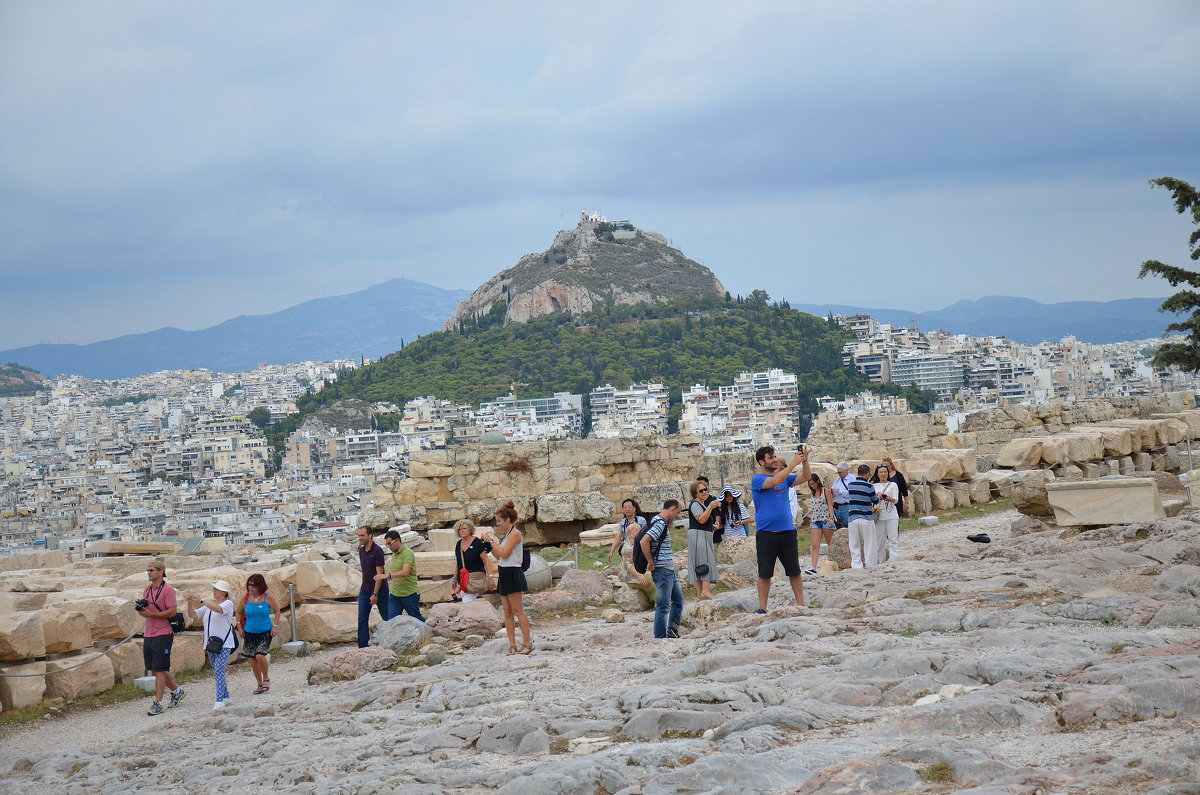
(259, 690)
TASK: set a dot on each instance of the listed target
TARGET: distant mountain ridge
(598, 263)
(1028, 321)
(371, 322)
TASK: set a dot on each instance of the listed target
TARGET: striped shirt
(665, 557)
(862, 499)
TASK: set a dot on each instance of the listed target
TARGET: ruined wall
(871, 438)
(559, 488)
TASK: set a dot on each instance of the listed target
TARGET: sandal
(512, 649)
(259, 690)
(526, 649)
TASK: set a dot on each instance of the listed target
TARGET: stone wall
(871, 438)
(559, 488)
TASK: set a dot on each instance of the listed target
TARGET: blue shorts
(822, 526)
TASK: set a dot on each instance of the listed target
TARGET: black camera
(141, 604)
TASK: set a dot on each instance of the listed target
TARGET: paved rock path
(1055, 661)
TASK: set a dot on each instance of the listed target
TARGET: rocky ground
(1052, 661)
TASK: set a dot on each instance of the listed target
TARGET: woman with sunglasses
(702, 560)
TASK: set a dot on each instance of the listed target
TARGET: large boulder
(734, 549)
(187, 651)
(540, 575)
(1020, 454)
(351, 664)
(65, 630)
(327, 579)
(838, 550)
(402, 635)
(593, 586)
(72, 682)
(1104, 502)
(1029, 493)
(21, 636)
(35, 559)
(128, 662)
(456, 620)
(110, 617)
(22, 686)
(326, 623)
(632, 600)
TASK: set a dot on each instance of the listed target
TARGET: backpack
(640, 564)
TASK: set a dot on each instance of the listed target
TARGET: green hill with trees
(18, 380)
(679, 342)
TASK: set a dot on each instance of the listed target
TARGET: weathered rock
(128, 662)
(25, 688)
(65, 630)
(21, 636)
(327, 579)
(110, 617)
(612, 615)
(838, 550)
(974, 713)
(403, 635)
(540, 575)
(505, 737)
(1182, 579)
(456, 620)
(653, 724)
(94, 677)
(1098, 502)
(593, 586)
(860, 776)
(734, 549)
(1020, 454)
(325, 623)
(632, 600)
(351, 664)
(1029, 494)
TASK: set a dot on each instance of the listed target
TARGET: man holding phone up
(775, 537)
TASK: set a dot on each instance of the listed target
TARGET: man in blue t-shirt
(775, 534)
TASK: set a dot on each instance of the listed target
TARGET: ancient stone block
(327, 579)
(458, 620)
(24, 691)
(128, 662)
(1029, 493)
(94, 677)
(1104, 502)
(65, 630)
(1020, 454)
(433, 591)
(325, 623)
(434, 564)
(21, 636)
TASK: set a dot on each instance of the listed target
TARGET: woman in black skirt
(509, 551)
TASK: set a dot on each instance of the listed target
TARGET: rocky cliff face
(597, 262)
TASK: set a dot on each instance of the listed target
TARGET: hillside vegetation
(680, 343)
(17, 380)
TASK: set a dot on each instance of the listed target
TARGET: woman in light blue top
(256, 610)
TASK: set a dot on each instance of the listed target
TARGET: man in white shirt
(841, 495)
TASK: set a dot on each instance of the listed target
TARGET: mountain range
(1025, 320)
(378, 320)
(372, 323)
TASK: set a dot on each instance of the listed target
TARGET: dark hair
(875, 474)
(817, 477)
(392, 535)
(258, 581)
(761, 453)
(508, 511)
(637, 509)
(730, 511)
(863, 470)
(672, 503)
(702, 477)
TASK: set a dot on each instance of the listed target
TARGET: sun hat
(737, 495)
(221, 585)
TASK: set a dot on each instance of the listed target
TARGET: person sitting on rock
(404, 594)
(631, 524)
(508, 549)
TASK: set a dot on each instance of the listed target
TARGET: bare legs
(514, 613)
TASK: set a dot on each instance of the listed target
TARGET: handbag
(477, 582)
(214, 644)
(701, 569)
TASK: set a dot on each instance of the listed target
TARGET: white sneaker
(219, 705)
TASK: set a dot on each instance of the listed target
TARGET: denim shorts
(822, 525)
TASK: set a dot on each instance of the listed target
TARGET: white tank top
(514, 558)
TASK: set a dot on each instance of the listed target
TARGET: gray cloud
(194, 163)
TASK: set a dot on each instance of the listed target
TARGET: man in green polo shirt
(404, 593)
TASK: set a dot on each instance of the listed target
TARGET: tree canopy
(1185, 355)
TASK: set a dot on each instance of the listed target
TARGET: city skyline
(168, 167)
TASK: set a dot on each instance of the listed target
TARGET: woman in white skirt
(887, 519)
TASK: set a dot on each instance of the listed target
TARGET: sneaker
(760, 612)
(177, 696)
(219, 705)
(156, 708)
(810, 572)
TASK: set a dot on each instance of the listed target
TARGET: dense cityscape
(183, 454)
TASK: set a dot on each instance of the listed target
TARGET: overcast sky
(169, 163)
